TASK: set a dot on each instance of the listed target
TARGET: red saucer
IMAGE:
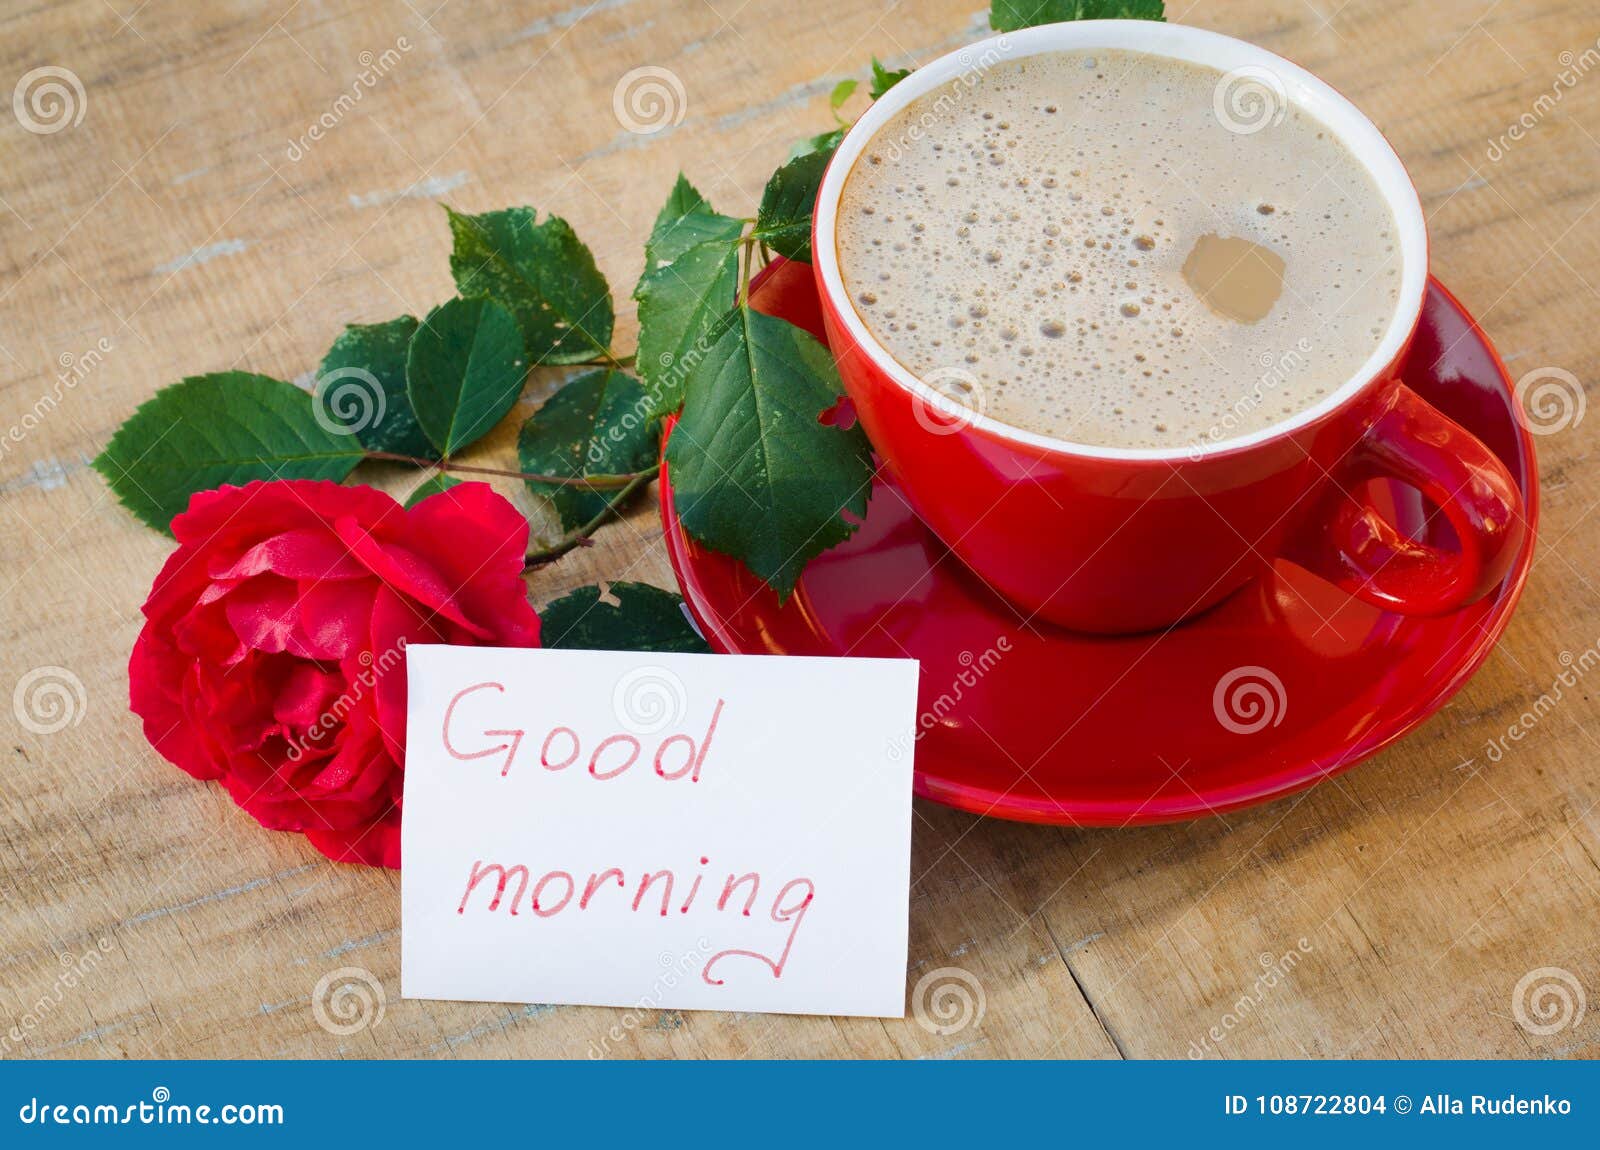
(1287, 682)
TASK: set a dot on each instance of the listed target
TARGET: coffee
(1106, 248)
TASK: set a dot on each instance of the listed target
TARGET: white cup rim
(1312, 95)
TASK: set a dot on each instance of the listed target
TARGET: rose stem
(605, 359)
(749, 243)
(593, 482)
(579, 536)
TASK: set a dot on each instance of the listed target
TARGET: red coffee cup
(1113, 540)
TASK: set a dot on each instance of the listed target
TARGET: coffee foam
(1021, 246)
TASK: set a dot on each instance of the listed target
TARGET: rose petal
(396, 624)
(405, 571)
(358, 772)
(206, 635)
(156, 698)
(335, 616)
(181, 579)
(478, 541)
(376, 845)
(248, 514)
(306, 696)
(305, 553)
(265, 614)
(486, 535)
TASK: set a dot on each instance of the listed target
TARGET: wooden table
(142, 914)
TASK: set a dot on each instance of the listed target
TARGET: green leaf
(1010, 15)
(690, 279)
(754, 474)
(464, 371)
(543, 273)
(363, 380)
(842, 91)
(826, 142)
(884, 78)
(685, 221)
(619, 617)
(207, 430)
(431, 486)
(595, 425)
(784, 221)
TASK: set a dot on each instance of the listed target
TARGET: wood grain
(141, 914)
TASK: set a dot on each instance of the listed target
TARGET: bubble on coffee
(1085, 239)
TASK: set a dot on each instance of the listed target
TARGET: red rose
(272, 657)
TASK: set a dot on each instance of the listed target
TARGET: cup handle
(1347, 540)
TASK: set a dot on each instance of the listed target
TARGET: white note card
(616, 828)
